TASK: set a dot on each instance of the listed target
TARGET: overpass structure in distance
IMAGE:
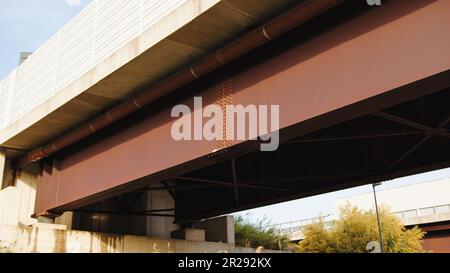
(424, 204)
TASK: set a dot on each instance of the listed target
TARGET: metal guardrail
(426, 211)
(94, 34)
(294, 227)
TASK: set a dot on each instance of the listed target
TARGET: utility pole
(378, 216)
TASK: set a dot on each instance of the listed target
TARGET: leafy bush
(254, 234)
(356, 228)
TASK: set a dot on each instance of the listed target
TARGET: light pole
(378, 216)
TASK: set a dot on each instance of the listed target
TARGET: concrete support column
(158, 226)
(25, 185)
(18, 193)
(219, 229)
(65, 219)
(2, 166)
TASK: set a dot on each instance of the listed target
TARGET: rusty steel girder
(303, 12)
(381, 58)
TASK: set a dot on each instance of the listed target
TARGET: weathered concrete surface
(2, 166)
(18, 198)
(160, 227)
(189, 234)
(8, 174)
(48, 240)
(49, 226)
(66, 220)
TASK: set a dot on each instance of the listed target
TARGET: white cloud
(73, 2)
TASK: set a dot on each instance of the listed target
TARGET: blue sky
(27, 24)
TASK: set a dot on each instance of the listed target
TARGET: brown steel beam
(308, 178)
(169, 190)
(416, 146)
(134, 200)
(13, 148)
(102, 169)
(355, 137)
(118, 202)
(106, 204)
(227, 184)
(403, 121)
(142, 213)
(202, 180)
(235, 180)
(178, 188)
(408, 152)
(435, 227)
(351, 183)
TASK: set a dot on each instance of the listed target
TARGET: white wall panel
(76, 41)
(154, 10)
(41, 75)
(93, 35)
(20, 91)
(118, 22)
(6, 98)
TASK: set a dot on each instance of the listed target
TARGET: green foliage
(255, 234)
(355, 228)
(5, 248)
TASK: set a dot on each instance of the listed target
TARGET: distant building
(425, 204)
(24, 56)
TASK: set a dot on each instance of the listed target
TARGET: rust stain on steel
(225, 98)
(362, 58)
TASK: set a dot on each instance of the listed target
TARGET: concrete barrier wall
(49, 240)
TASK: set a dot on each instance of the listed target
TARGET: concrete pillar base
(219, 229)
(189, 234)
(45, 220)
(65, 219)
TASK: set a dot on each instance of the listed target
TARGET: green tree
(356, 228)
(254, 234)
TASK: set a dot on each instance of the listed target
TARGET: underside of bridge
(408, 138)
(361, 100)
